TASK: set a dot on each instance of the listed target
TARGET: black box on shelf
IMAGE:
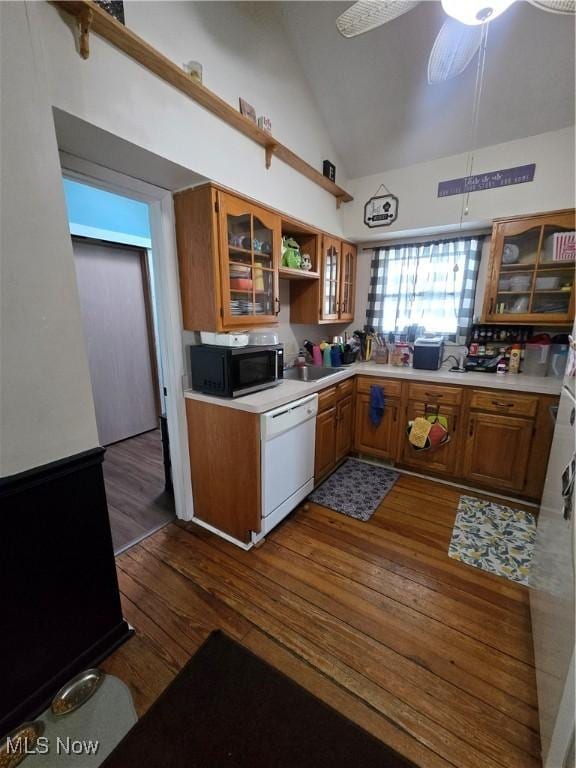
(329, 170)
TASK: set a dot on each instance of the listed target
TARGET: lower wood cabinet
(442, 461)
(344, 427)
(325, 456)
(499, 440)
(334, 427)
(380, 440)
(497, 450)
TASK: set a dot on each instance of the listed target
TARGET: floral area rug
(355, 489)
(493, 537)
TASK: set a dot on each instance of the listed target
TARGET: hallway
(138, 503)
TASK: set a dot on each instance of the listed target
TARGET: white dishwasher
(287, 436)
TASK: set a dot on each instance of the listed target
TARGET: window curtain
(427, 287)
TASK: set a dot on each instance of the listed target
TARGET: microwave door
(251, 372)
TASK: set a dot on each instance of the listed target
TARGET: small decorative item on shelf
(114, 7)
(247, 110)
(239, 241)
(265, 123)
(194, 69)
(291, 253)
(329, 170)
(305, 262)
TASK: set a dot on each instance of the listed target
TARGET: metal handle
(454, 422)
(553, 411)
(395, 413)
(502, 405)
(432, 394)
(278, 305)
(491, 306)
(471, 430)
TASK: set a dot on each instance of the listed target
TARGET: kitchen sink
(309, 373)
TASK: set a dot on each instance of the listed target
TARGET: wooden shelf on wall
(297, 274)
(90, 17)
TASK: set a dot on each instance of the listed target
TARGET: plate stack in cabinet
(334, 427)
(377, 440)
(429, 400)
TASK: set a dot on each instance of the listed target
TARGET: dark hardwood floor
(134, 479)
(431, 656)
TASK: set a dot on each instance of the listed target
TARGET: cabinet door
(344, 427)
(441, 461)
(249, 247)
(376, 441)
(347, 281)
(526, 283)
(325, 456)
(330, 279)
(497, 450)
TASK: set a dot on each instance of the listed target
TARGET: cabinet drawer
(326, 399)
(391, 388)
(505, 403)
(345, 388)
(432, 393)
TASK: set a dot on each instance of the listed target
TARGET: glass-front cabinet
(347, 281)
(249, 249)
(330, 279)
(531, 277)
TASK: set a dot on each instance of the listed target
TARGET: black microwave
(235, 371)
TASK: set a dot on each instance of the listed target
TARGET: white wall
(46, 409)
(244, 52)
(416, 187)
(46, 401)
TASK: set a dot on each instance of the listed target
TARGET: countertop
(286, 391)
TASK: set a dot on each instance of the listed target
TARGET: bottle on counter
(515, 356)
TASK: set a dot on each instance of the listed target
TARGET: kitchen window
(418, 288)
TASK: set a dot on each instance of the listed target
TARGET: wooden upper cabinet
(330, 279)
(331, 298)
(525, 283)
(228, 256)
(347, 282)
(249, 240)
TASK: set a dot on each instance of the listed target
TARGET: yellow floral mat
(494, 537)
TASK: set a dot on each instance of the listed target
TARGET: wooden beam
(138, 49)
(85, 18)
(270, 149)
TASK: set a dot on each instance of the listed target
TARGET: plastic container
(224, 339)
(557, 360)
(536, 355)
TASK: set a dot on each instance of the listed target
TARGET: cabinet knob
(278, 305)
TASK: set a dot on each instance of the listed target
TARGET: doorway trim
(167, 290)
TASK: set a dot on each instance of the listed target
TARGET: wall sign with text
(381, 211)
(503, 178)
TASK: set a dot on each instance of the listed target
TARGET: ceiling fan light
(474, 12)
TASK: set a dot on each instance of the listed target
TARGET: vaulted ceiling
(379, 110)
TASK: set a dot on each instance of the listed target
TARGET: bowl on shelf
(504, 284)
(547, 283)
(510, 253)
(520, 282)
(520, 306)
(241, 283)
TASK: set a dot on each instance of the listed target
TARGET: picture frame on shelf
(247, 110)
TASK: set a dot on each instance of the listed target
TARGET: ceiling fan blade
(555, 6)
(454, 48)
(369, 14)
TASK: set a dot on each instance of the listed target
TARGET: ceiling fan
(460, 35)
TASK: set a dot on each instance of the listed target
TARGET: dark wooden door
(442, 460)
(325, 456)
(344, 427)
(496, 450)
(376, 441)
